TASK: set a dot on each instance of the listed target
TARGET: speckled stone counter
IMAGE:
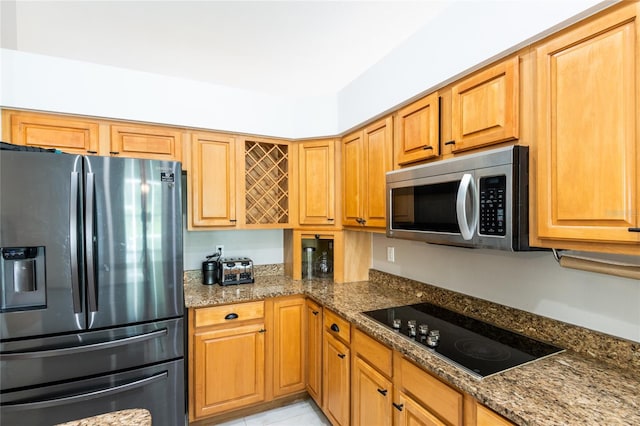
(136, 416)
(595, 382)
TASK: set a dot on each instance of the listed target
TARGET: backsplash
(606, 348)
(258, 271)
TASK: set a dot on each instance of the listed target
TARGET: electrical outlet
(391, 254)
(220, 249)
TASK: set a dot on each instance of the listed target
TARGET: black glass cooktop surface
(479, 348)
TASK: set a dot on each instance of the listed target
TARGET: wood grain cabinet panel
(588, 155)
(317, 203)
(417, 131)
(149, 142)
(68, 134)
(289, 337)
(336, 380)
(367, 155)
(211, 181)
(485, 107)
(313, 324)
(408, 412)
(486, 417)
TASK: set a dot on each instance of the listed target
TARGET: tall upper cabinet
(588, 155)
(366, 157)
(317, 188)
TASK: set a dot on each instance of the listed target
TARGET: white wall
(531, 281)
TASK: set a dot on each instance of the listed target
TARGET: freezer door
(41, 222)
(158, 388)
(133, 228)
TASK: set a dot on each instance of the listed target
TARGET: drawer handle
(383, 391)
(450, 143)
(427, 147)
(342, 356)
(231, 316)
(334, 327)
(91, 152)
(114, 153)
(634, 229)
(262, 330)
(315, 312)
(399, 407)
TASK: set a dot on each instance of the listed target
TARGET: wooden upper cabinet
(366, 157)
(212, 184)
(150, 142)
(68, 134)
(485, 107)
(587, 148)
(317, 204)
(417, 128)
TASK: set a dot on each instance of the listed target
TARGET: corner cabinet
(588, 154)
(366, 157)
(317, 188)
(212, 181)
(417, 131)
(485, 107)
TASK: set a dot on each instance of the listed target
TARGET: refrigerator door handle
(92, 290)
(34, 405)
(73, 243)
(84, 348)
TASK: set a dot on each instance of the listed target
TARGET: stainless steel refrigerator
(91, 304)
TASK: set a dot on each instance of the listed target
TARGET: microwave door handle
(467, 186)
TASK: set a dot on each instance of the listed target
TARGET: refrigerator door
(133, 228)
(40, 226)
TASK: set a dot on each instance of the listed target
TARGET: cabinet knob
(262, 330)
(342, 356)
(315, 312)
(399, 407)
(383, 391)
(450, 143)
(334, 327)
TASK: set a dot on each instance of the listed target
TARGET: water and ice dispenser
(22, 270)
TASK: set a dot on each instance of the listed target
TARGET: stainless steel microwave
(478, 200)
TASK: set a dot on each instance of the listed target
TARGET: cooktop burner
(479, 348)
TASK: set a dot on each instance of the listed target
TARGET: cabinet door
(212, 184)
(288, 349)
(228, 368)
(587, 149)
(352, 164)
(377, 161)
(486, 417)
(335, 380)
(371, 395)
(70, 135)
(418, 131)
(150, 142)
(485, 107)
(317, 183)
(313, 321)
(409, 413)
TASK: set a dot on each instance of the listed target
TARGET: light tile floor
(304, 413)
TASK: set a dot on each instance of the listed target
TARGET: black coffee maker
(210, 269)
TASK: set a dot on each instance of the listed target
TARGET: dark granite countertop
(595, 382)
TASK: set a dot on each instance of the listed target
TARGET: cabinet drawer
(440, 399)
(376, 354)
(337, 326)
(227, 314)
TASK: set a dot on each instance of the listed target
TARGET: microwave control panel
(493, 200)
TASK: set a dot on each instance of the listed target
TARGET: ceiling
(292, 48)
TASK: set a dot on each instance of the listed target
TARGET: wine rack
(267, 183)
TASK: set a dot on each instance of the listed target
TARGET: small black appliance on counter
(235, 270)
(210, 269)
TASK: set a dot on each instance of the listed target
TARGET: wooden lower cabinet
(289, 336)
(336, 369)
(408, 412)
(487, 417)
(313, 352)
(245, 354)
(371, 395)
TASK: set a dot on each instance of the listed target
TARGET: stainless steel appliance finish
(235, 270)
(95, 323)
(478, 200)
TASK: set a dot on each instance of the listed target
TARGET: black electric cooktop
(477, 347)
